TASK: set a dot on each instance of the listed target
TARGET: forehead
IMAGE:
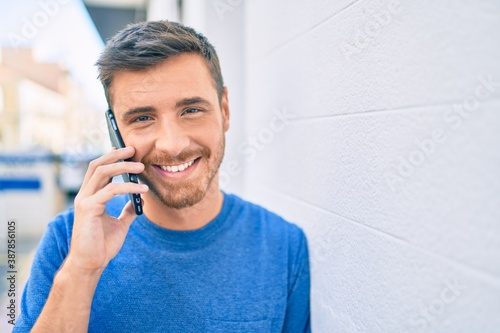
(178, 77)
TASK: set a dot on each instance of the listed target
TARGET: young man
(198, 260)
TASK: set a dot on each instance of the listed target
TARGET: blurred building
(38, 103)
(47, 136)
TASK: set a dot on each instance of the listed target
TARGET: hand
(97, 237)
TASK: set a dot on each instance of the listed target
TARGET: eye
(191, 110)
(142, 118)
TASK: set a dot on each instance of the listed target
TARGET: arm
(297, 317)
(97, 238)
(68, 306)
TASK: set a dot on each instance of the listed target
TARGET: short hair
(142, 45)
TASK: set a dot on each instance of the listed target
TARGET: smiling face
(172, 116)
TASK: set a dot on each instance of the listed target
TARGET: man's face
(171, 115)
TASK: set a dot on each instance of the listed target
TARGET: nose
(171, 138)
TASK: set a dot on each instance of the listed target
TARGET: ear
(225, 110)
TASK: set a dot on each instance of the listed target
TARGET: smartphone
(117, 142)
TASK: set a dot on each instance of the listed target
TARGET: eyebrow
(135, 111)
(191, 101)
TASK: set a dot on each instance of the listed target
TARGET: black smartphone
(117, 142)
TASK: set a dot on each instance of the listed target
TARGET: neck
(189, 218)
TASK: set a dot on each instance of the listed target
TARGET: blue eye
(142, 118)
(192, 110)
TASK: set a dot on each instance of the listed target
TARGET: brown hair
(142, 45)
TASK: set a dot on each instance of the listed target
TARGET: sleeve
(297, 318)
(48, 258)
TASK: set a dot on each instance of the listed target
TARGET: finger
(104, 173)
(127, 215)
(111, 190)
(112, 157)
(96, 204)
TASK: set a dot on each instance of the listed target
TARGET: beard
(186, 192)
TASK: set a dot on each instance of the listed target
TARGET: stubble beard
(186, 193)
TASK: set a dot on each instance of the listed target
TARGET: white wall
(390, 159)
(375, 126)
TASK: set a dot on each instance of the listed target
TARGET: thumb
(128, 214)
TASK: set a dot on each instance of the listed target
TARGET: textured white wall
(387, 153)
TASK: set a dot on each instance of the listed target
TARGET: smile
(176, 168)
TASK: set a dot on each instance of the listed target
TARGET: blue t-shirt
(245, 271)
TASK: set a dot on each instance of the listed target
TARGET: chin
(182, 199)
(179, 195)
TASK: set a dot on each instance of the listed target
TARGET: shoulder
(280, 240)
(267, 222)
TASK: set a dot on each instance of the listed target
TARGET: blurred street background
(372, 124)
(52, 110)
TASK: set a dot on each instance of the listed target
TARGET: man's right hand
(97, 237)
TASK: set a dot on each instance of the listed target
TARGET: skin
(167, 115)
(171, 115)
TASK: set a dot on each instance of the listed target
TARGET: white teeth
(176, 168)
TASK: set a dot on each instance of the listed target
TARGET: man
(198, 260)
